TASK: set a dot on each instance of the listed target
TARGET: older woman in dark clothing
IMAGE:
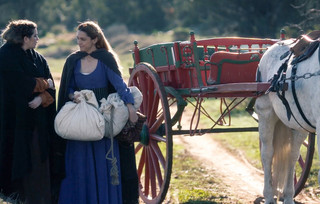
(29, 148)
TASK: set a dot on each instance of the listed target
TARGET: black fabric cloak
(68, 69)
(18, 70)
(129, 176)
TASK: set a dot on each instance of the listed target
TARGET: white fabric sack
(80, 121)
(137, 96)
(116, 112)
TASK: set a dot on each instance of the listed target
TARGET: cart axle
(215, 130)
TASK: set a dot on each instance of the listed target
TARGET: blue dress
(88, 178)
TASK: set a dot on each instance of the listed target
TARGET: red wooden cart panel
(228, 67)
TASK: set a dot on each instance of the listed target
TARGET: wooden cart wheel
(154, 152)
(304, 163)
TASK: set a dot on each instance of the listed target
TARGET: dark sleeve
(65, 81)
(19, 82)
(112, 63)
(63, 87)
(47, 95)
(67, 74)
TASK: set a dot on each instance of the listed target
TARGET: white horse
(280, 136)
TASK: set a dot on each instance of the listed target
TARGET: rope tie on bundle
(114, 172)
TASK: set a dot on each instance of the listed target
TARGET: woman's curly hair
(18, 29)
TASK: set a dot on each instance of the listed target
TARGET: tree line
(251, 18)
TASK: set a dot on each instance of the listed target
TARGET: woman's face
(85, 43)
(31, 43)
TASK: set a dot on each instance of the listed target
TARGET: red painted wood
(233, 71)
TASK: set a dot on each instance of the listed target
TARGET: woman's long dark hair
(93, 30)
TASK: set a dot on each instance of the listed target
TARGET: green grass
(56, 64)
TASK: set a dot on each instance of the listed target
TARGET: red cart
(172, 75)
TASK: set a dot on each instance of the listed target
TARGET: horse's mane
(287, 42)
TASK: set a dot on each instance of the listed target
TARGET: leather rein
(279, 84)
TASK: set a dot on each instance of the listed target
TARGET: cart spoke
(142, 162)
(157, 169)
(147, 173)
(138, 148)
(301, 162)
(159, 154)
(158, 138)
(151, 160)
(151, 96)
(153, 108)
(157, 124)
(144, 90)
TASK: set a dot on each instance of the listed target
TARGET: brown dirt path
(236, 173)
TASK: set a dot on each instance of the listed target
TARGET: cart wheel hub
(144, 135)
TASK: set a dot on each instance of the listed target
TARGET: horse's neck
(287, 42)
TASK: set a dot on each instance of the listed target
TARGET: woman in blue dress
(94, 67)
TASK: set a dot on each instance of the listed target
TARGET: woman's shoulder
(36, 54)
(103, 55)
(11, 49)
(10, 54)
(74, 56)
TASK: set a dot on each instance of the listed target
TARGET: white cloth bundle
(116, 115)
(80, 121)
(116, 112)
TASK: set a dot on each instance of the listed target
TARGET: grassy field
(57, 48)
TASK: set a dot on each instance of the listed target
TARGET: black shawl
(101, 54)
(18, 69)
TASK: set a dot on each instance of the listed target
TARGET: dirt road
(237, 174)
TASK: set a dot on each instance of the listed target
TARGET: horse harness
(279, 84)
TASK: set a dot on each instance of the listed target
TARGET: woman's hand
(75, 97)
(133, 117)
(35, 103)
(51, 85)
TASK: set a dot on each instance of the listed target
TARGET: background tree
(263, 18)
(309, 11)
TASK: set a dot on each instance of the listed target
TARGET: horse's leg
(267, 121)
(295, 142)
(318, 143)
